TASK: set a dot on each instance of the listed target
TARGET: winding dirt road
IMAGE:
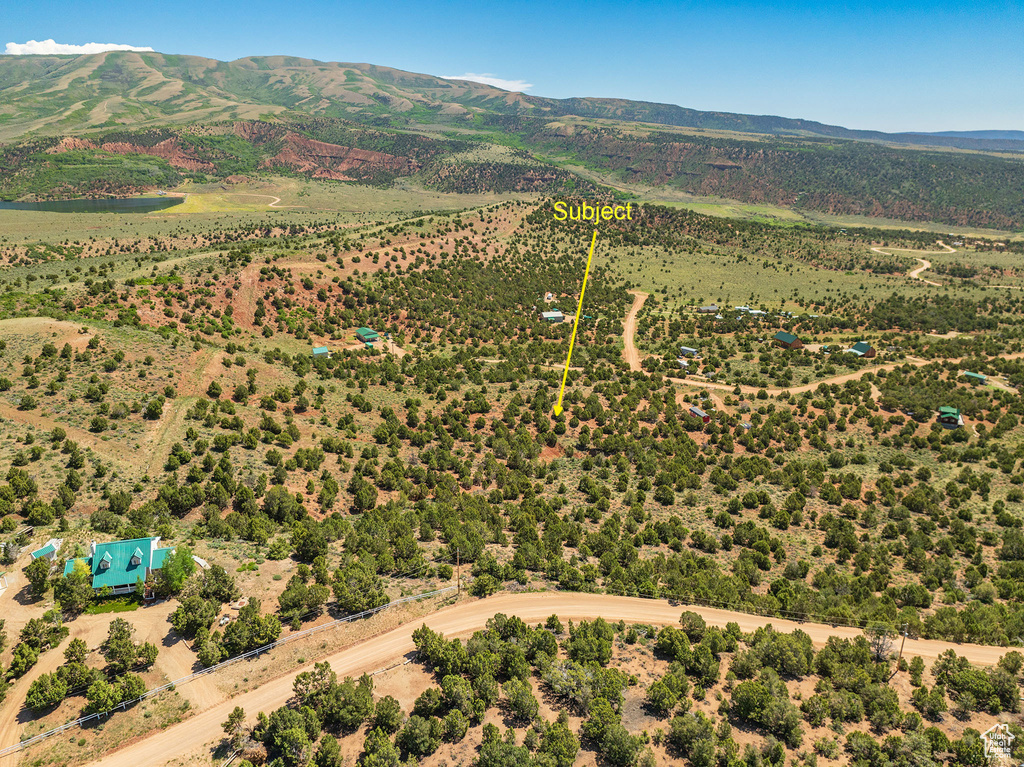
(202, 732)
(630, 352)
(925, 264)
(916, 273)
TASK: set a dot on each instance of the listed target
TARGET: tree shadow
(24, 597)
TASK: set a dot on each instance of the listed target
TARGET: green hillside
(145, 120)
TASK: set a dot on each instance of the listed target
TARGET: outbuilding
(688, 351)
(788, 340)
(367, 336)
(711, 309)
(321, 351)
(49, 551)
(696, 412)
(555, 316)
(975, 378)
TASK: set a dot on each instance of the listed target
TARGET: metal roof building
(49, 551)
(366, 335)
(862, 349)
(698, 413)
(555, 316)
(950, 417)
(788, 340)
(120, 564)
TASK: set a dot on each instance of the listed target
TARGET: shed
(788, 340)
(710, 309)
(367, 336)
(696, 412)
(49, 551)
(321, 351)
(975, 378)
(688, 351)
(950, 418)
(555, 316)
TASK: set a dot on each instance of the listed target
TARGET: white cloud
(488, 79)
(50, 47)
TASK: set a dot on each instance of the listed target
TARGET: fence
(185, 679)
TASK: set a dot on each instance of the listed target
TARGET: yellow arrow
(575, 326)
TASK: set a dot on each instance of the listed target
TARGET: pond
(102, 205)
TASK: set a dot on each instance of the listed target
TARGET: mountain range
(191, 115)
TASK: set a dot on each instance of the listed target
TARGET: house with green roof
(975, 378)
(367, 336)
(862, 349)
(788, 340)
(950, 418)
(122, 564)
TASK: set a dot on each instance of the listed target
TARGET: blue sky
(920, 66)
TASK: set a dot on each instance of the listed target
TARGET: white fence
(185, 679)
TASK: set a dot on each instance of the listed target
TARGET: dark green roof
(861, 346)
(947, 410)
(976, 376)
(786, 338)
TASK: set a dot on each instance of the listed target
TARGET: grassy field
(223, 207)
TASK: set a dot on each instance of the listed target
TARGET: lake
(102, 205)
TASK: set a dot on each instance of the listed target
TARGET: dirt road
(925, 264)
(150, 624)
(915, 361)
(275, 202)
(630, 352)
(916, 273)
(203, 731)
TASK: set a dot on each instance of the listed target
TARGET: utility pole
(458, 571)
(902, 642)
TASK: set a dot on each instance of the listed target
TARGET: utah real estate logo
(998, 742)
